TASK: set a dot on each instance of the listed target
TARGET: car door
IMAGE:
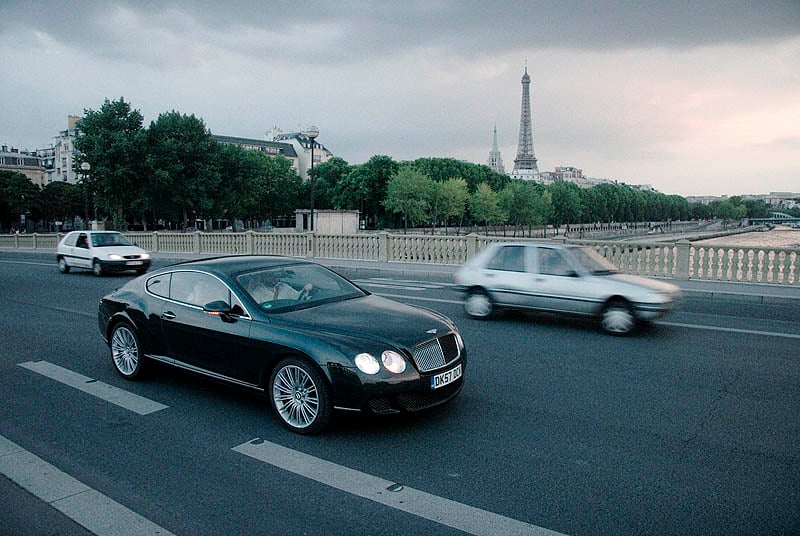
(508, 278)
(213, 343)
(558, 283)
(81, 253)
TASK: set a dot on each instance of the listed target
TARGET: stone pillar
(383, 247)
(682, 251)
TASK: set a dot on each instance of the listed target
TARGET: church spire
(495, 161)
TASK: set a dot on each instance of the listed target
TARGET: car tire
(617, 317)
(126, 351)
(478, 304)
(63, 267)
(299, 395)
(97, 268)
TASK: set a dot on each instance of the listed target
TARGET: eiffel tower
(525, 163)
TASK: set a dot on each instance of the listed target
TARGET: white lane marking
(437, 300)
(732, 330)
(393, 287)
(109, 393)
(96, 512)
(30, 263)
(417, 282)
(437, 509)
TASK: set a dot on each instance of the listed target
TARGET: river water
(782, 236)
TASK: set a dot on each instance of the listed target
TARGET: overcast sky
(691, 97)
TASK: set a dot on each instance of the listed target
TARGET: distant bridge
(776, 217)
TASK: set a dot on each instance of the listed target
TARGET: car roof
(235, 264)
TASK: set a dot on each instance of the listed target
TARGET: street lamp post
(312, 134)
(85, 167)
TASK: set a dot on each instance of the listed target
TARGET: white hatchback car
(561, 278)
(100, 251)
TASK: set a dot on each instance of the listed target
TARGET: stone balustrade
(679, 260)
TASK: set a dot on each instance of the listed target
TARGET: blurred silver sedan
(561, 278)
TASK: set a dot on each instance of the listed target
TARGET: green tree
(183, 167)
(113, 143)
(241, 182)
(373, 176)
(484, 206)
(62, 201)
(449, 200)
(283, 190)
(18, 196)
(409, 192)
(566, 203)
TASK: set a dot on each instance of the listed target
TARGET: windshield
(110, 239)
(294, 286)
(593, 262)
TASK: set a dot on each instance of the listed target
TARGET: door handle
(168, 315)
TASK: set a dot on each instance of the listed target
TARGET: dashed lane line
(109, 393)
(89, 508)
(431, 507)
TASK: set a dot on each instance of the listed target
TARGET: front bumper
(125, 264)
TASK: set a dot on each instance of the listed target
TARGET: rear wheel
(618, 318)
(299, 395)
(478, 304)
(126, 352)
(63, 267)
(97, 268)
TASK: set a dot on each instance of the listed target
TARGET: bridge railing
(680, 260)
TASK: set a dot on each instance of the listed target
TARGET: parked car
(309, 338)
(101, 252)
(561, 278)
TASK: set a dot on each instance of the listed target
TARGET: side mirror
(217, 308)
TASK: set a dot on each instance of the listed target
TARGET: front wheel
(617, 318)
(478, 304)
(299, 395)
(126, 352)
(97, 268)
(63, 267)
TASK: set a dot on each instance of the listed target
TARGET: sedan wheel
(126, 352)
(478, 304)
(300, 396)
(97, 268)
(63, 267)
(618, 318)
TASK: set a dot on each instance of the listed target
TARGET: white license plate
(440, 380)
(134, 263)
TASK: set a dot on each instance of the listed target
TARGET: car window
(552, 262)
(110, 239)
(82, 241)
(509, 259)
(288, 287)
(197, 288)
(159, 285)
(70, 239)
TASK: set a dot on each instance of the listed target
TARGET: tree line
(173, 173)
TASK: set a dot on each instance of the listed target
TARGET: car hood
(118, 250)
(371, 317)
(650, 284)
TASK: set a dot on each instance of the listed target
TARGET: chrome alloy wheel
(618, 318)
(478, 305)
(125, 351)
(295, 396)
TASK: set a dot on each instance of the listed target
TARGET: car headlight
(459, 340)
(145, 255)
(115, 257)
(367, 363)
(393, 362)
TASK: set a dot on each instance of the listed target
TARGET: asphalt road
(688, 427)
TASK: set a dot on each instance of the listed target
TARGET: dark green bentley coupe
(312, 340)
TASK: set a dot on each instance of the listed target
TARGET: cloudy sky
(692, 97)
